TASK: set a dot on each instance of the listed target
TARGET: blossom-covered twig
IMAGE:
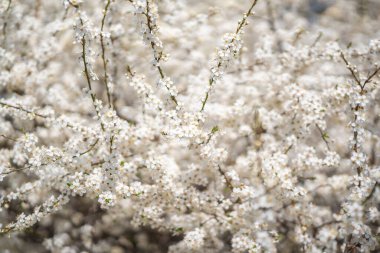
(149, 31)
(231, 48)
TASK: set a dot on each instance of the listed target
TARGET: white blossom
(189, 126)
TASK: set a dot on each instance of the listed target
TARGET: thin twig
(371, 193)
(154, 48)
(324, 136)
(8, 138)
(320, 34)
(349, 67)
(371, 76)
(22, 109)
(92, 94)
(91, 148)
(104, 52)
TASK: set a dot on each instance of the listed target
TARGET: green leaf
(178, 230)
(214, 129)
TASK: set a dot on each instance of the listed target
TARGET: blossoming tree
(123, 129)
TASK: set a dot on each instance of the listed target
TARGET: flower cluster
(109, 145)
